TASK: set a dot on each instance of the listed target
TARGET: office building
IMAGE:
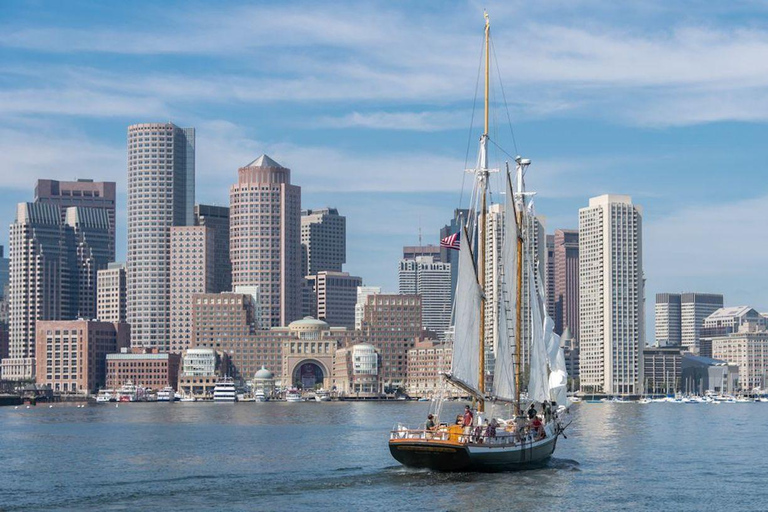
(143, 367)
(747, 348)
(323, 240)
(71, 354)
(362, 299)
(566, 281)
(217, 219)
(431, 280)
(336, 296)
(668, 320)
(40, 282)
(611, 333)
(193, 271)
(411, 252)
(450, 255)
(549, 277)
(694, 309)
(161, 193)
(662, 369)
(81, 193)
(111, 285)
(88, 232)
(265, 238)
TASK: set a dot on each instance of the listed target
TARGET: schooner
(492, 442)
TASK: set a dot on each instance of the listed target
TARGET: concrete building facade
(216, 218)
(265, 238)
(566, 281)
(611, 291)
(336, 296)
(161, 194)
(111, 293)
(323, 240)
(668, 320)
(362, 299)
(431, 280)
(426, 361)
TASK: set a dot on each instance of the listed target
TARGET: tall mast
(522, 163)
(484, 192)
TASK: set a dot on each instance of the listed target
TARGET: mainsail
(504, 373)
(465, 365)
(538, 382)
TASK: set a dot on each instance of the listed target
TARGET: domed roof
(308, 322)
(264, 374)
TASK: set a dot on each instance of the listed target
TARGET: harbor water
(334, 456)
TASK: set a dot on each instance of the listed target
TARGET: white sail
(465, 366)
(504, 373)
(558, 376)
(538, 382)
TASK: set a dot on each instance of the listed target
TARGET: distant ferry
(106, 395)
(225, 390)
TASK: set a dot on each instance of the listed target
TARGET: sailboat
(491, 442)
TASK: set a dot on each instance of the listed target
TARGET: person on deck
(532, 411)
(537, 427)
(456, 430)
(467, 416)
(430, 422)
(547, 410)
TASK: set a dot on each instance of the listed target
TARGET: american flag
(451, 241)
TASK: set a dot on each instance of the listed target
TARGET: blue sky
(370, 105)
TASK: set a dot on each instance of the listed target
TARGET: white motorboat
(225, 390)
(166, 394)
(322, 395)
(293, 395)
(106, 395)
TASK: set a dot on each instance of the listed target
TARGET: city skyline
(340, 147)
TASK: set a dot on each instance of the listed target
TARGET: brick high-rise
(161, 194)
(265, 238)
(566, 281)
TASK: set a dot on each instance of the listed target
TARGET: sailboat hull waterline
(450, 455)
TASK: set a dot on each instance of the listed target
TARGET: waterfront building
(336, 295)
(144, 367)
(193, 271)
(82, 193)
(111, 285)
(661, 369)
(265, 238)
(323, 240)
(263, 383)
(309, 352)
(746, 348)
(356, 371)
(668, 320)
(391, 323)
(362, 299)
(40, 282)
(200, 370)
(217, 219)
(706, 375)
(228, 322)
(71, 354)
(431, 280)
(427, 360)
(161, 194)
(611, 333)
(566, 282)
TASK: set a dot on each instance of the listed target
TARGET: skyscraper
(193, 266)
(324, 240)
(668, 328)
(611, 296)
(431, 280)
(217, 218)
(336, 296)
(566, 281)
(449, 255)
(549, 277)
(265, 238)
(694, 309)
(93, 247)
(161, 193)
(84, 193)
(39, 282)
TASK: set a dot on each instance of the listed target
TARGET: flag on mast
(451, 241)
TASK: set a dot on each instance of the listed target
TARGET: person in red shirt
(467, 416)
(536, 427)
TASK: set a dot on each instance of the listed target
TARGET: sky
(372, 105)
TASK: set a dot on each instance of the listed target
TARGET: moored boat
(293, 395)
(166, 394)
(225, 390)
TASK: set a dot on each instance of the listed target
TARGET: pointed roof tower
(265, 161)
